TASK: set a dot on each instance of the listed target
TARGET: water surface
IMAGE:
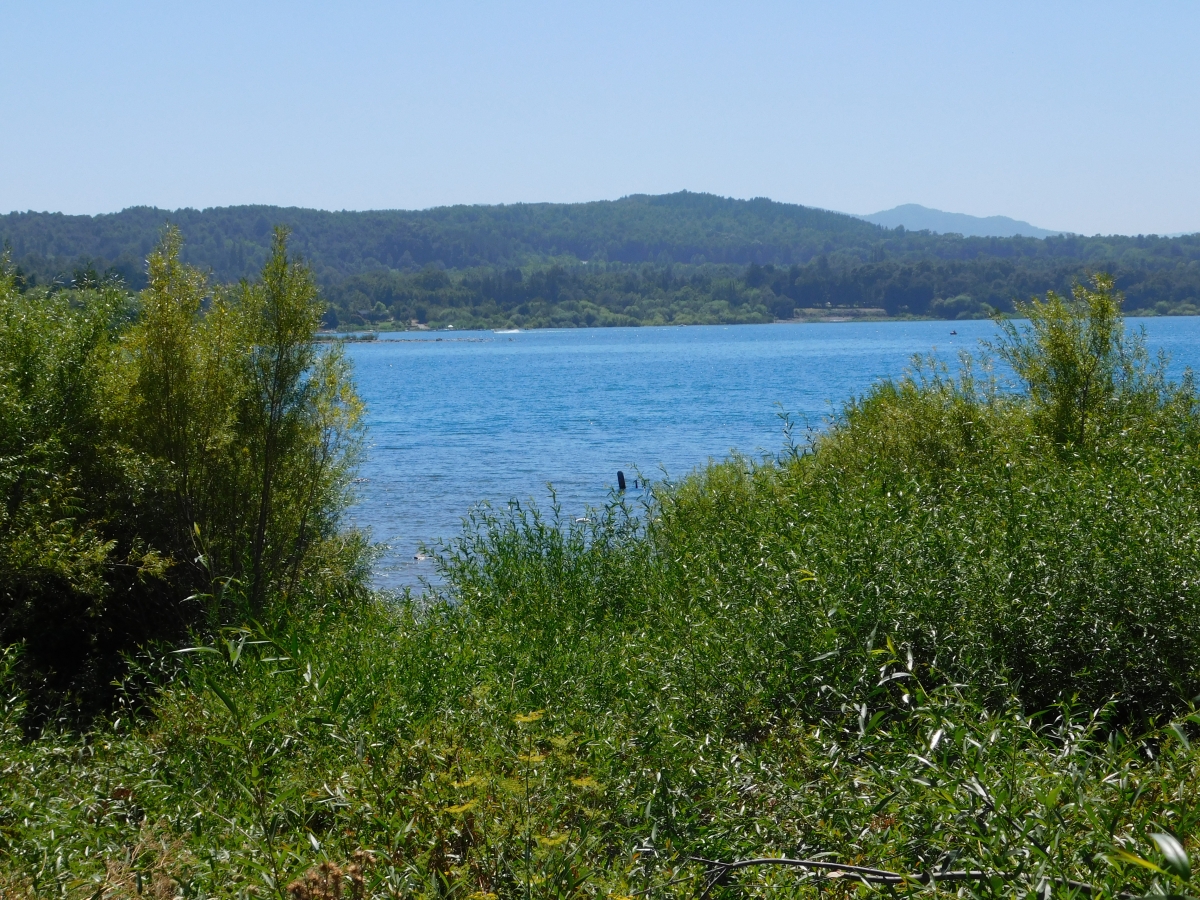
(457, 418)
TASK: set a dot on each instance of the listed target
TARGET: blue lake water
(455, 418)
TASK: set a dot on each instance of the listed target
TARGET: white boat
(506, 331)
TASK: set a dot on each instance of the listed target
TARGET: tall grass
(942, 636)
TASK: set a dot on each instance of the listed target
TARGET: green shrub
(1082, 377)
(169, 462)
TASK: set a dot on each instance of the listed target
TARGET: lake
(456, 418)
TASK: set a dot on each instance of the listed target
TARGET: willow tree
(298, 417)
(1079, 369)
(250, 430)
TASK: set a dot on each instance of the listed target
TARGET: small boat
(506, 331)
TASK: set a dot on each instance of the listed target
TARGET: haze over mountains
(915, 217)
(683, 258)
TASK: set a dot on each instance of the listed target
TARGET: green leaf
(235, 650)
(267, 718)
(336, 700)
(1126, 856)
(227, 700)
(882, 803)
(1180, 734)
(1178, 863)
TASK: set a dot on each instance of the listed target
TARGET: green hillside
(677, 228)
(677, 258)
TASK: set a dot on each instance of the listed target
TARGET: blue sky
(1082, 116)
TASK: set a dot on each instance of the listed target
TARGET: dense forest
(674, 259)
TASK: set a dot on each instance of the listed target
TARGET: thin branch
(721, 870)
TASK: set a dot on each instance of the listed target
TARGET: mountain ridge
(915, 217)
(679, 228)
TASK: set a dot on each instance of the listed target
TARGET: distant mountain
(915, 217)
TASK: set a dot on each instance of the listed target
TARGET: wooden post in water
(620, 480)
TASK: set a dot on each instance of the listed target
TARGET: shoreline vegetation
(956, 635)
(830, 316)
(800, 316)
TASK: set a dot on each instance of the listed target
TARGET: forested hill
(678, 228)
(676, 258)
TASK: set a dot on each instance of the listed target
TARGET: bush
(170, 460)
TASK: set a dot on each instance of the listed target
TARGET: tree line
(649, 294)
(678, 258)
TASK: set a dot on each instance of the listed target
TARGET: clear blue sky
(1083, 116)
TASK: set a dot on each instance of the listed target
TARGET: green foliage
(1080, 372)
(936, 638)
(589, 749)
(299, 418)
(181, 446)
(595, 295)
(680, 258)
(58, 565)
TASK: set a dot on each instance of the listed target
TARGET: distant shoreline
(816, 317)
